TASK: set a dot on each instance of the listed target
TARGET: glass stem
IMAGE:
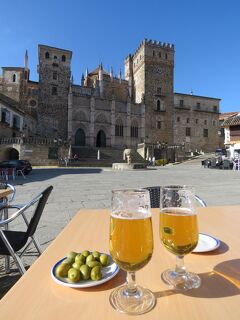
(180, 267)
(131, 284)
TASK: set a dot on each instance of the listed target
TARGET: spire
(72, 79)
(100, 78)
(82, 80)
(26, 60)
(120, 75)
(111, 73)
(86, 74)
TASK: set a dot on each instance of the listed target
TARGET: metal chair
(11, 241)
(154, 193)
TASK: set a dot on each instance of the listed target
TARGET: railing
(19, 140)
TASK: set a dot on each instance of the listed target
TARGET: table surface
(5, 192)
(37, 296)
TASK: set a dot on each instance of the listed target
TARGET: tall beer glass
(131, 247)
(179, 233)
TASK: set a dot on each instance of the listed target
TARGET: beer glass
(131, 247)
(178, 230)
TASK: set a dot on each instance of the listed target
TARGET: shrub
(161, 162)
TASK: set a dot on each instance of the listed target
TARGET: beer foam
(129, 215)
(178, 211)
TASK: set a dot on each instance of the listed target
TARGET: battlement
(154, 44)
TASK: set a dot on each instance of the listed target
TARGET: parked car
(23, 165)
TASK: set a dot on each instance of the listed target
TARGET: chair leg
(16, 258)
(7, 264)
(37, 245)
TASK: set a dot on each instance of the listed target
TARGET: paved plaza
(77, 188)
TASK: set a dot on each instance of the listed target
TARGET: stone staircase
(108, 156)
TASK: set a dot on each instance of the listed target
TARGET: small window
(33, 103)
(63, 58)
(196, 121)
(166, 56)
(188, 120)
(188, 132)
(119, 130)
(47, 55)
(205, 122)
(55, 57)
(178, 119)
(54, 91)
(159, 90)
(159, 124)
(54, 75)
(198, 105)
(134, 131)
(215, 108)
(14, 78)
(153, 53)
(160, 55)
(158, 105)
(181, 103)
(205, 133)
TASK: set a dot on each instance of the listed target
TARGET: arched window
(55, 57)
(166, 56)
(63, 58)
(134, 130)
(80, 138)
(47, 55)
(14, 78)
(158, 105)
(119, 129)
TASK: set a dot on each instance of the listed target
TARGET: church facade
(105, 110)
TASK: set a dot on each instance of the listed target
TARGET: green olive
(62, 270)
(104, 259)
(77, 265)
(72, 255)
(96, 255)
(96, 273)
(90, 258)
(85, 253)
(68, 261)
(80, 258)
(92, 264)
(85, 272)
(74, 275)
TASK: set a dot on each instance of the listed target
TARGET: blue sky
(206, 35)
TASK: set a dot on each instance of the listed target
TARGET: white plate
(107, 273)
(206, 243)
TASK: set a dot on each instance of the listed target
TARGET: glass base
(141, 301)
(183, 281)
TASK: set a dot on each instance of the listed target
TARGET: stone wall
(200, 115)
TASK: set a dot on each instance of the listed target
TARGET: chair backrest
(41, 199)
(154, 193)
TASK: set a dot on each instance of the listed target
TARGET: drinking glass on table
(178, 230)
(131, 247)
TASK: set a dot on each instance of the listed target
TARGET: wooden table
(37, 296)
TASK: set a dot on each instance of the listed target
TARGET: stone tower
(150, 72)
(54, 80)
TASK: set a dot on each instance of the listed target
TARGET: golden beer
(178, 230)
(131, 242)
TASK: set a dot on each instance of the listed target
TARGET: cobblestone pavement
(77, 188)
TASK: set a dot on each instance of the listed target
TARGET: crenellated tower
(54, 80)
(151, 68)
